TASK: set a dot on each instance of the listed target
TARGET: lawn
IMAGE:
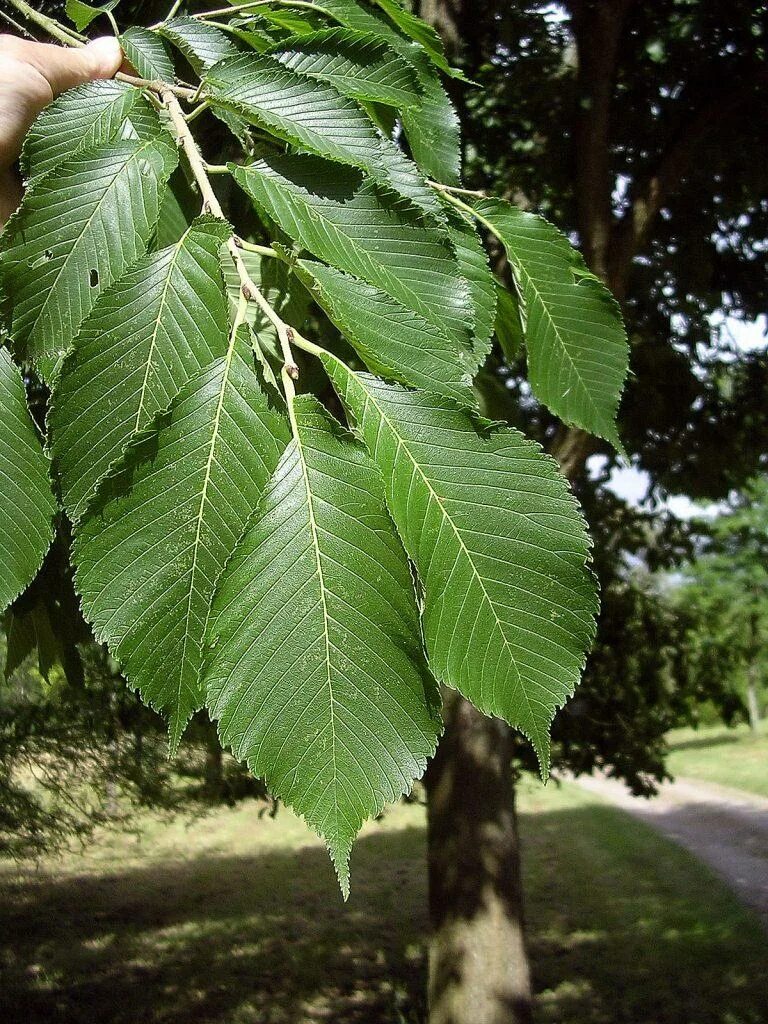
(236, 919)
(730, 757)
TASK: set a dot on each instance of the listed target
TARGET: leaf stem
(112, 22)
(211, 204)
(261, 250)
(453, 190)
(200, 109)
(236, 8)
(173, 11)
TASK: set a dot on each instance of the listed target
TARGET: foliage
(724, 591)
(265, 554)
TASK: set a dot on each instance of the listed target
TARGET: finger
(65, 68)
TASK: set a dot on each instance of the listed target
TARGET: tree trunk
(753, 704)
(478, 967)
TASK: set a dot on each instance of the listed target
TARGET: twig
(157, 86)
(57, 31)
(211, 204)
(15, 24)
(49, 25)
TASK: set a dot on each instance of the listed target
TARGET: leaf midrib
(161, 307)
(326, 616)
(199, 527)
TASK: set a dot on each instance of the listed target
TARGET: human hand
(31, 75)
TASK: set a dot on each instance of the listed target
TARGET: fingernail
(106, 55)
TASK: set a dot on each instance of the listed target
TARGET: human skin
(31, 75)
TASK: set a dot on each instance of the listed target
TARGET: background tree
(724, 591)
(636, 128)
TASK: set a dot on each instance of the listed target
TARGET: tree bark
(478, 966)
(753, 704)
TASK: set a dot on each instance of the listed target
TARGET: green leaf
(292, 22)
(79, 119)
(147, 53)
(358, 64)
(26, 502)
(179, 207)
(418, 30)
(21, 640)
(473, 264)
(148, 560)
(145, 338)
(393, 341)
(314, 665)
(338, 217)
(577, 346)
(498, 542)
(82, 14)
(77, 230)
(31, 631)
(509, 326)
(205, 45)
(432, 128)
(202, 45)
(314, 116)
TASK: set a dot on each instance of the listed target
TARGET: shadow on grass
(266, 939)
(704, 742)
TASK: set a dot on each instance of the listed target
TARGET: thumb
(64, 68)
(102, 57)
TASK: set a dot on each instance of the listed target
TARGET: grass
(730, 757)
(237, 919)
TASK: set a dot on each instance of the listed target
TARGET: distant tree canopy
(724, 594)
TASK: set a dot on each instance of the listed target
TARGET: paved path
(725, 828)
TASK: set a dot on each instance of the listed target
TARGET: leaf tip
(340, 857)
(542, 746)
(177, 725)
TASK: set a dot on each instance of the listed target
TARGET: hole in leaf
(39, 260)
(94, 279)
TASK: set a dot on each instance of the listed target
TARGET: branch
(598, 30)
(674, 164)
(255, 4)
(49, 25)
(211, 204)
